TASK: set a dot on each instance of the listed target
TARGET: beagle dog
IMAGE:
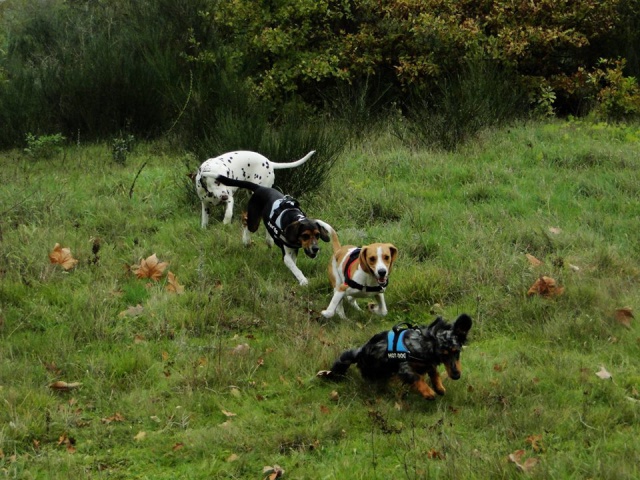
(359, 272)
(288, 227)
(241, 165)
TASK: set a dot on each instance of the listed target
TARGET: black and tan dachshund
(287, 226)
(409, 353)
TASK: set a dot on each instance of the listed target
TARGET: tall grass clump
(481, 95)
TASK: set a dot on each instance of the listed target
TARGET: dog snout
(224, 197)
(382, 273)
(455, 375)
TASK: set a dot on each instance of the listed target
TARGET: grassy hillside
(219, 381)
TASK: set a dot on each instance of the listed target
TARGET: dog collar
(355, 253)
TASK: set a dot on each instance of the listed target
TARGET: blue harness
(396, 349)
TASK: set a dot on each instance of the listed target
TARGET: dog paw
(304, 282)
(326, 313)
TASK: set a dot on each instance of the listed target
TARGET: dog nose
(315, 249)
(382, 272)
(224, 198)
(455, 375)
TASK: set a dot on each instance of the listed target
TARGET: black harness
(352, 283)
(274, 226)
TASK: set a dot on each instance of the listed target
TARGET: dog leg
(205, 216)
(269, 240)
(425, 390)
(290, 258)
(353, 303)
(436, 381)
(228, 213)
(381, 307)
(336, 303)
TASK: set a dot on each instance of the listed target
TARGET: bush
(44, 146)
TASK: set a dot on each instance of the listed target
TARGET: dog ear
(324, 233)
(436, 325)
(394, 253)
(292, 233)
(462, 325)
(363, 259)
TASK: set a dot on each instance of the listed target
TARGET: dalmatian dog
(238, 165)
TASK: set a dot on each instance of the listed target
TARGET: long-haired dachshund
(410, 353)
(287, 226)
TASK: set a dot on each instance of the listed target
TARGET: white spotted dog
(240, 165)
(287, 226)
(359, 272)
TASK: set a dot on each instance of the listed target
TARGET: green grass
(462, 221)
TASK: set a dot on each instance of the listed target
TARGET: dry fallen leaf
(624, 316)
(555, 230)
(273, 472)
(228, 414)
(533, 260)
(62, 257)
(61, 386)
(173, 285)
(132, 311)
(536, 442)
(324, 373)
(177, 446)
(232, 458)
(529, 463)
(117, 417)
(150, 267)
(241, 349)
(140, 436)
(546, 287)
(334, 396)
(603, 374)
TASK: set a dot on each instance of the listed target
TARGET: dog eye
(386, 257)
(216, 183)
(305, 236)
(372, 259)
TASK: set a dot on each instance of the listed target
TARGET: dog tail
(335, 242)
(230, 182)
(297, 163)
(342, 364)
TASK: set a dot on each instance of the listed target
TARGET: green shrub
(44, 146)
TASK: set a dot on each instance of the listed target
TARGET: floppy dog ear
(292, 232)
(324, 233)
(461, 326)
(394, 253)
(363, 259)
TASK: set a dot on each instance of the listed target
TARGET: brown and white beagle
(359, 272)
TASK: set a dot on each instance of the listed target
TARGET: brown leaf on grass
(62, 256)
(624, 316)
(527, 465)
(536, 442)
(533, 260)
(334, 396)
(273, 472)
(324, 409)
(140, 436)
(603, 374)
(173, 285)
(555, 230)
(232, 458)
(433, 454)
(150, 267)
(546, 287)
(228, 414)
(68, 442)
(177, 446)
(132, 311)
(61, 386)
(117, 417)
(53, 368)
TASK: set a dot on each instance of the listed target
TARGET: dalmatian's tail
(297, 163)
